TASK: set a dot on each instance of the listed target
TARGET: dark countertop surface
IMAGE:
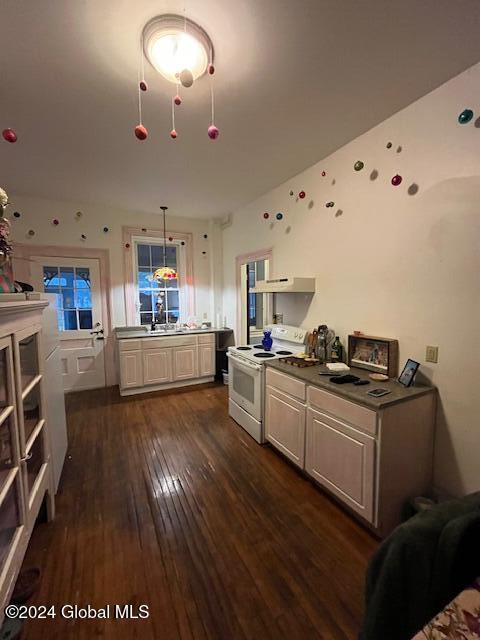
(349, 391)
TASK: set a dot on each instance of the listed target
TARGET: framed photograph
(408, 373)
(374, 354)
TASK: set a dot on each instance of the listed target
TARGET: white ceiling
(296, 79)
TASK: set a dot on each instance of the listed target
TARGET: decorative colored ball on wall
(16, 214)
(186, 78)
(301, 195)
(173, 134)
(211, 69)
(266, 215)
(205, 236)
(291, 192)
(204, 253)
(358, 166)
(324, 173)
(127, 245)
(79, 214)
(9, 135)
(396, 180)
(279, 216)
(170, 239)
(83, 236)
(55, 222)
(141, 132)
(330, 204)
(31, 232)
(389, 145)
(465, 116)
(105, 229)
(213, 132)
(143, 86)
(177, 100)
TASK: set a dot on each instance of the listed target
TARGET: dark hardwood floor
(165, 501)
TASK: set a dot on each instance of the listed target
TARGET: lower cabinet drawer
(285, 383)
(341, 459)
(355, 414)
(285, 425)
(129, 345)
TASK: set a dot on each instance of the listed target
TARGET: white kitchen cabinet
(206, 359)
(163, 362)
(157, 366)
(285, 425)
(373, 459)
(131, 369)
(341, 459)
(185, 362)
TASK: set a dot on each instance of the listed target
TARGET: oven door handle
(243, 364)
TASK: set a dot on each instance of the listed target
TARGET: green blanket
(423, 565)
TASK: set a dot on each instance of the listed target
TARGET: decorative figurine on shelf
(267, 340)
(6, 272)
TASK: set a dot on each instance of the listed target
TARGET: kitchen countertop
(122, 335)
(310, 375)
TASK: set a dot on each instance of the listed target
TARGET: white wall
(37, 214)
(389, 263)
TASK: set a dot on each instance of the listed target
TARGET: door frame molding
(245, 258)
(22, 255)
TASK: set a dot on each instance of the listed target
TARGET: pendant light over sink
(165, 273)
(182, 53)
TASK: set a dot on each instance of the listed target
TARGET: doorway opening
(254, 310)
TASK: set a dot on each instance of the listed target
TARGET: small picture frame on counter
(373, 354)
(407, 376)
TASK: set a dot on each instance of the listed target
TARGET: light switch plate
(431, 354)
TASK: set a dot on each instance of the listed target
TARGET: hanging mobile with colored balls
(266, 215)
(141, 132)
(330, 204)
(212, 131)
(396, 180)
(358, 166)
(302, 195)
(279, 216)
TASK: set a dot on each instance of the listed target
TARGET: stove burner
(264, 355)
(284, 353)
(244, 348)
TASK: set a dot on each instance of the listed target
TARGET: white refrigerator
(54, 393)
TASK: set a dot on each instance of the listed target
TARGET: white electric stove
(246, 373)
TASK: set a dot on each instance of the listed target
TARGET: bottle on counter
(337, 350)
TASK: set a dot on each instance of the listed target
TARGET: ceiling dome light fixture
(182, 52)
(173, 44)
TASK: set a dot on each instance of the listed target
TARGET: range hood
(285, 285)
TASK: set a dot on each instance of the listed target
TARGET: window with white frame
(159, 301)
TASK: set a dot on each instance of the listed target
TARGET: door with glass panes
(76, 283)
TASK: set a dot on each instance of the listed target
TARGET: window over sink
(159, 300)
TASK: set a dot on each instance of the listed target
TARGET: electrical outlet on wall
(431, 354)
